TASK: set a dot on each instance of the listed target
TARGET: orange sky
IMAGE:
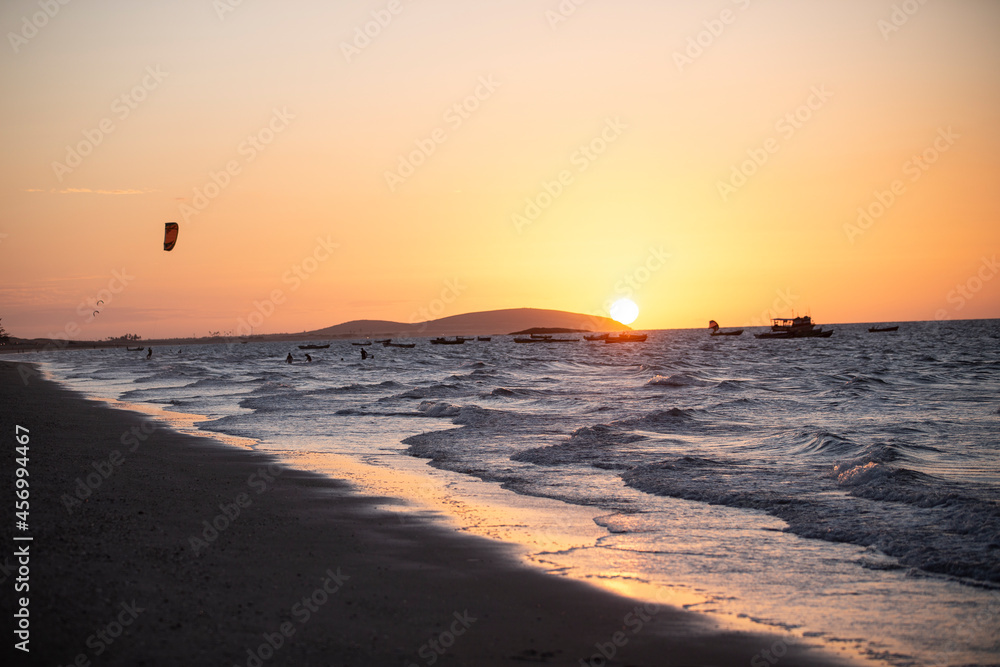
(709, 158)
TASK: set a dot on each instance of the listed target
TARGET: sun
(624, 311)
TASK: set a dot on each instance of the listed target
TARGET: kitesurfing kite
(170, 235)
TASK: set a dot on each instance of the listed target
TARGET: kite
(170, 235)
(100, 301)
(96, 313)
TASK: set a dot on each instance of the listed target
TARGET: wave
(944, 533)
(463, 415)
(592, 445)
(361, 388)
(658, 419)
(823, 443)
(518, 392)
(678, 380)
(440, 390)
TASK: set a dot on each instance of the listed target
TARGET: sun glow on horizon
(624, 311)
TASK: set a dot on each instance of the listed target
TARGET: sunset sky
(708, 158)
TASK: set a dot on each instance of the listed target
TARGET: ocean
(841, 491)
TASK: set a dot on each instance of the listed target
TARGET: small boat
(403, 345)
(626, 338)
(445, 341)
(314, 347)
(540, 336)
(794, 327)
(546, 339)
(383, 342)
(714, 326)
(484, 339)
(597, 337)
(882, 329)
(464, 339)
(135, 349)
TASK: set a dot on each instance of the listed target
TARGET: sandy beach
(152, 547)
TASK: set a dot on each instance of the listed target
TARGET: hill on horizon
(484, 323)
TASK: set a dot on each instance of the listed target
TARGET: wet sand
(152, 547)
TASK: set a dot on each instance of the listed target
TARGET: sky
(403, 160)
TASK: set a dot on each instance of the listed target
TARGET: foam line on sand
(188, 551)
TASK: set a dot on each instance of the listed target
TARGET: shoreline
(205, 552)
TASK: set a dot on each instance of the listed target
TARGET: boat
(484, 339)
(383, 341)
(403, 345)
(540, 336)
(596, 337)
(794, 327)
(445, 341)
(314, 347)
(547, 339)
(626, 338)
(135, 349)
(882, 329)
(366, 343)
(714, 326)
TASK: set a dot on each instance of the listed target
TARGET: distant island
(485, 323)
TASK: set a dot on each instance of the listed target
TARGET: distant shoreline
(49, 344)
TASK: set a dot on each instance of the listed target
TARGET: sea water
(841, 491)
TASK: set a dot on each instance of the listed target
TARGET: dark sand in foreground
(401, 584)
